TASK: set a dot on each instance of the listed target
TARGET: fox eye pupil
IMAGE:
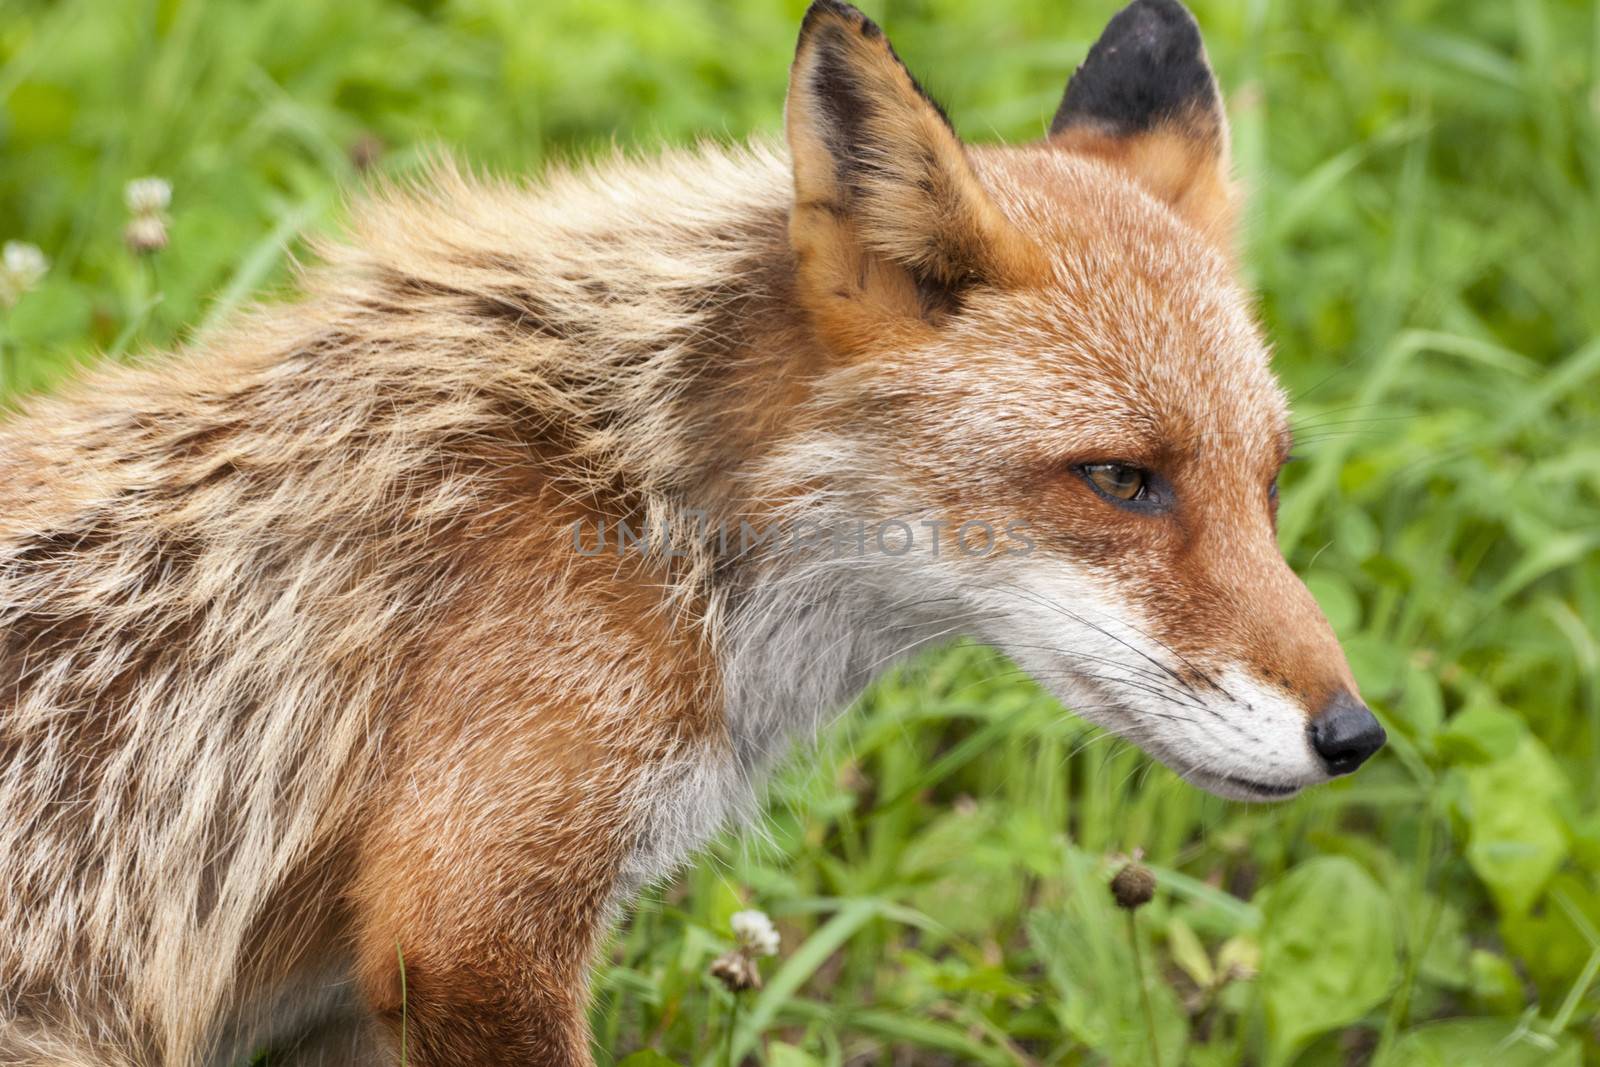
(1118, 480)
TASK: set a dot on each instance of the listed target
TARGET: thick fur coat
(308, 678)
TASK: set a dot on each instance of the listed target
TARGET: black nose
(1345, 734)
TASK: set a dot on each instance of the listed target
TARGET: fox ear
(1145, 100)
(889, 222)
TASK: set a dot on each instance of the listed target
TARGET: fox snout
(1289, 640)
(1267, 625)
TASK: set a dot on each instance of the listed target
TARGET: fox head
(1051, 338)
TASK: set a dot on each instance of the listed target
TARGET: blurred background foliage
(1425, 232)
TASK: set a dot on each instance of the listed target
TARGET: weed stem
(733, 1024)
(1144, 989)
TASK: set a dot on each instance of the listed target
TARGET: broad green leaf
(1517, 836)
(1327, 951)
(1480, 733)
(1555, 939)
(1482, 1043)
(1423, 706)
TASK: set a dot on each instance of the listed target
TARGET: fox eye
(1272, 486)
(1118, 481)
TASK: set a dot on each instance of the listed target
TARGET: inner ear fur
(1145, 100)
(889, 224)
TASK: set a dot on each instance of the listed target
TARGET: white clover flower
(22, 266)
(147, 196)
(755, 933)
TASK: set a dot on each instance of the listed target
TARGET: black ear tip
(1164, 25)
(1170, 11)
(1147, 68)
(831, 34)
(821, 10)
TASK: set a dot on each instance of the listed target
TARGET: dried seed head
(755, 933)
(22, 267)
(147, 196)
(146, 235)
(1134, 886)
(737, 971)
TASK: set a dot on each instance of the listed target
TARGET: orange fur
(1189, 174)
(491, 868)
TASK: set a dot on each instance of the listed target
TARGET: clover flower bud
(145, 235)
(22, 267)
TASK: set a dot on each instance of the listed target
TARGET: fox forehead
(1136, 343)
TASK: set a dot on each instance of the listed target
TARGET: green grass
(1425, 232)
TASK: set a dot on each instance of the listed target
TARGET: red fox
(322, 709)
